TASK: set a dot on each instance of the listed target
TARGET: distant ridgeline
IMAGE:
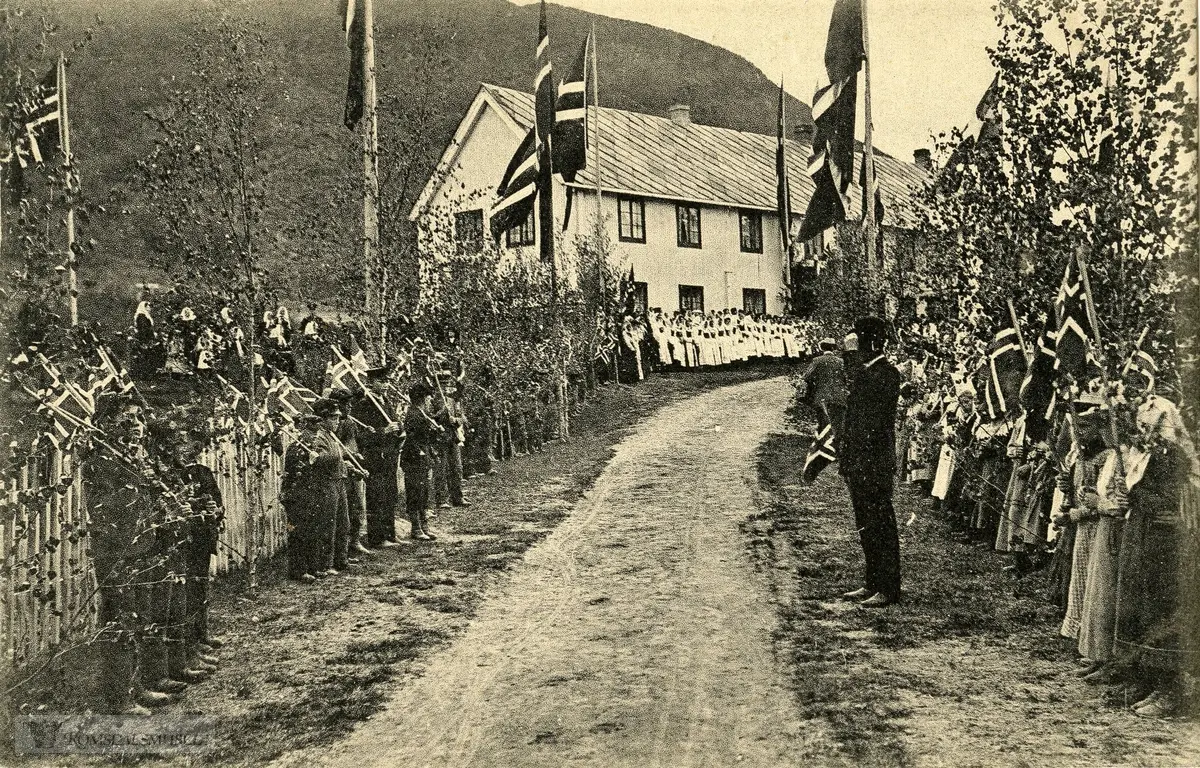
(138, 57)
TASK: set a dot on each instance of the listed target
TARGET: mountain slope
(139, 56)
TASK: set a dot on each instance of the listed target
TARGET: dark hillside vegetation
(428, 50)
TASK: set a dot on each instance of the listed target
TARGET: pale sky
(929, 63)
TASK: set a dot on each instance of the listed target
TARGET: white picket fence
(48, 584)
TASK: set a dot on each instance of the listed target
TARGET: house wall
(718, 266)
(472, 179)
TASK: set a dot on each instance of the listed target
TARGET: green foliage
(1094, 150)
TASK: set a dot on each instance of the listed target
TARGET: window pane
(750, 226)
(691, 298)
(754, 301)
(688, 220)
(631, 220)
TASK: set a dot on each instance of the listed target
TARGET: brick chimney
(681, 115)
(923, 159)
(803, 132)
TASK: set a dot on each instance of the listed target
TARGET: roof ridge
(857, 144)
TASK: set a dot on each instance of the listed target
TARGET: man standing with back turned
(867, 459)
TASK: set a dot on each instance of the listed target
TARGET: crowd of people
(1099, 498)
(1096, 501)
(724, 337)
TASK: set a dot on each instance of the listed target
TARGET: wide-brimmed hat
(326, 407)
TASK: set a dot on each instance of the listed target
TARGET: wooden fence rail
(47, 583)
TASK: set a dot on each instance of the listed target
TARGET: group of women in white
(723, 337)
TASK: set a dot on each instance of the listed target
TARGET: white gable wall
(480, 162)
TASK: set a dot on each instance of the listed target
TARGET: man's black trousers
(875, 519)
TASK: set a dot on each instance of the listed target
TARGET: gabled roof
(651, 156)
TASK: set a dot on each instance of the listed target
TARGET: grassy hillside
(139, 56)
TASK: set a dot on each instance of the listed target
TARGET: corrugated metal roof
(652, 156)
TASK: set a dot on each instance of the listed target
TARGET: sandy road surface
(638, 633)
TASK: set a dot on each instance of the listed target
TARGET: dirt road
(637, 634)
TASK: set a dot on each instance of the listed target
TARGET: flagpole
(596, 160)
(72, 276)
(372, 285)
(1012, 315)
(868, 159)
(1094, 321)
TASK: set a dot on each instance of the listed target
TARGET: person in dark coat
(423, 433)
(825, 379)
(204, 527)
(121, 518)
(380, 449)
(309, 497)
(867, 461)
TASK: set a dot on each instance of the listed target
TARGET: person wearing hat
(380, 449)
(867, 461)
(825, 382)
(333, 525)
(355, 488)
(305, 479)
(1095, 498)
(416, 456)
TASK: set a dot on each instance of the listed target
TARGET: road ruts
(637, 634)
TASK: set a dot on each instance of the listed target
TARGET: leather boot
(148, 698)
(169, 685)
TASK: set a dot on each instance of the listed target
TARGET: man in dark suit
(825, 379)
(867, 461)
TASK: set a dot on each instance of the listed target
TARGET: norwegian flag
(288, 399)
(783, 191)
(69, 406)
(1072, 347)
(569, 135)
(831, 164)
(358, 358)
(1142, 362)
(821, 454)
(45, 121)
(518, 188)
(347, 373)
(1006, 370)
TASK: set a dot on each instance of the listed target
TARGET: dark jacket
(826, 379)
(868, 440)
(203, 526)
(422, 433)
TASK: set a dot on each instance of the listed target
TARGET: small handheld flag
(821, 454)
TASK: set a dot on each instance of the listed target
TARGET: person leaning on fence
(422, 432)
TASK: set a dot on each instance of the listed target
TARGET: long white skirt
(945, 470)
